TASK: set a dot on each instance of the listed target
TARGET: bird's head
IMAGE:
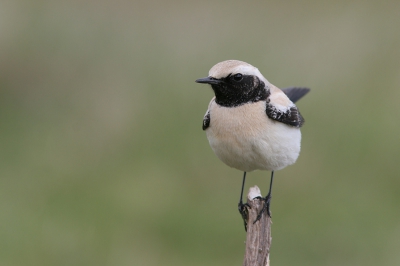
(235, 83)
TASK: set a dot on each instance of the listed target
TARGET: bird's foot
(244, 212)
(266, 207)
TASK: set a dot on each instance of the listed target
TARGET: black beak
(208, 80)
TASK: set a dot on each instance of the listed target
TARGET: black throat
(230, 93)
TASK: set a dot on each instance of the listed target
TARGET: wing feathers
(295, 93)
(290, 117)
(206, 120)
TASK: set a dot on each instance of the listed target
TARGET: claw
(244, 213)
(266, 207)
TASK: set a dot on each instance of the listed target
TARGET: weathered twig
(258, 239)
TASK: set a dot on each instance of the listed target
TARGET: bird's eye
(238, 77)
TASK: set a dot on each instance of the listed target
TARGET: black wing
(295, 93)
(290, 117)
(206, 120)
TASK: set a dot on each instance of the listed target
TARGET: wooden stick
(258, 239)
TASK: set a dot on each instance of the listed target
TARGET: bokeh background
(102, 156)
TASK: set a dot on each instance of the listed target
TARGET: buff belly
(245, 138)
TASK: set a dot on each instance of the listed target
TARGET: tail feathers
(295, 93)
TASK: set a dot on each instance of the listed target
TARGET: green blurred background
(103, 160)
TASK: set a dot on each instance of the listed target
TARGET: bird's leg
(242, 207)
(267, 200)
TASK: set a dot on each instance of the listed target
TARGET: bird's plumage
(295, 93)
(246, 139)
(250, 123)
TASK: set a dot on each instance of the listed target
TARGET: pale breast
(245, 138)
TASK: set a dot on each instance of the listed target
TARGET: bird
(251, 124)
